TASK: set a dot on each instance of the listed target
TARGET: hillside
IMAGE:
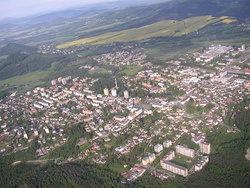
(169, 28)
(19, 64)
(13, 48)
(141, 18)
(69, 25)
(174, 10)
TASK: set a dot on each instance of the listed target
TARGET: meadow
(158, 29)
(131, 70)
(29, 80)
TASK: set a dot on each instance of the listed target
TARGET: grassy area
(100, 71)
(31, 79)
(117, 167)
(131, 70)
(184, 161)
(3, 57)
(85, 29)
(186, 139)
(162, 28)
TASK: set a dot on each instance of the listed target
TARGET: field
(100, 71)
(131, 70)
(183, 161)
(31, 79)
(118, 167)
(158, 29)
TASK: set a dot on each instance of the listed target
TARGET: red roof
(2, 138)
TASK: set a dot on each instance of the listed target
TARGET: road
(34, 161)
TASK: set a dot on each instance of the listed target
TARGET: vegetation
(13, 48)
(19, 64)
(239, 116)
(163, 28)
(227, 165)
(51, 175)
(131, 70)
(99, 71)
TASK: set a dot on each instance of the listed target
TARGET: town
(165, 111)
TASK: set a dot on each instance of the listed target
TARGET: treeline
(51, 175)
(227, 167)
(239, 116)
(75, 132)
(18, 64)
(13, 48)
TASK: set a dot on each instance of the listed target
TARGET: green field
(3, 57)
(31, 79)
(85, 29)
(131, 70)
(100, 71)
(184, 161)
(118, 167)
(162, 28)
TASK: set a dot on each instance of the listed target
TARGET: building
(169, 156)
(167, 143)
(134, 114)
(151, 157)
(64, 81)
(59, 79)
(53, 82)
(126, 94)
(205, 147)
(38, 106)
(106, 92)
(114, 92)
(145, 161)
(119, 118)
(242, 48)
(177, 169)
(185, 151)
(201, 163)
(158, 148)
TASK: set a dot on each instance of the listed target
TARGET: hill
(13, 48)
(170, 28)
(141, 18)
(69, 25)
(19, 64)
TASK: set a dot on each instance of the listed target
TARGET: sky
(22, 8)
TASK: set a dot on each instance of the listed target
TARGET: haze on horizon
(23, 8)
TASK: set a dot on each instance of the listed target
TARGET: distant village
(45, 112)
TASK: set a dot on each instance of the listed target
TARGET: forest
(20, 63)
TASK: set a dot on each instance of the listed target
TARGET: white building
(151, 157)
(167, 143)
(158, 148)
(126, 94)
(201, 163)
(114, 92)
(145, 161)
(53, 82)
(177, 169)
(205, 147)
(185, 151)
